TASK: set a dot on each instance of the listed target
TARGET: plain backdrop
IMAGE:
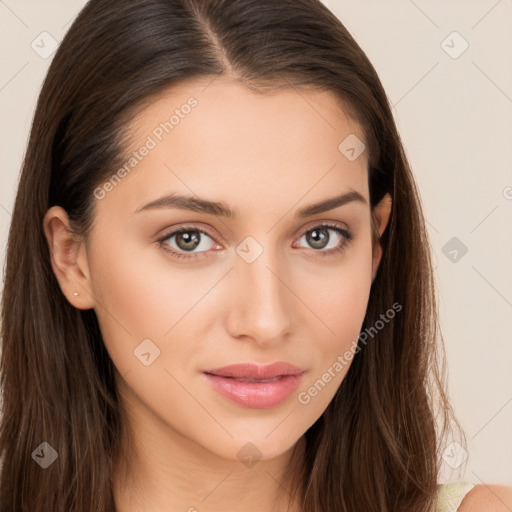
(446, 68)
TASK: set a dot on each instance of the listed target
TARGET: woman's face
(268, 283)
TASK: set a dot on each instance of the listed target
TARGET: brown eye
(188, 240)
(318, 238)
(324, 238)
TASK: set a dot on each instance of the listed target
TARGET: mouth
(247, 379)
(254, 386)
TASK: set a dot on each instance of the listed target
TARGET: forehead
(221, 105)
(218, 139)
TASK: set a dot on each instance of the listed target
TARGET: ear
(68, 258)
(380, 218)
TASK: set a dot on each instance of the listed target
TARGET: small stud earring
(75, 293)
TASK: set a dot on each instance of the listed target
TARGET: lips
(256, 372)
(256, 386)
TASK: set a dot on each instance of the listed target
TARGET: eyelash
(347, 235)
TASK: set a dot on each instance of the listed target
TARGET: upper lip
(254, 371)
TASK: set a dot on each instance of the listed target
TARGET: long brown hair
(376, 447)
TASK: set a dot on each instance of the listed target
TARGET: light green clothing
(451, 495)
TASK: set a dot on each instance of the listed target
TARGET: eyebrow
(196, 204)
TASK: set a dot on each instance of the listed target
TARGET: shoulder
(487, 498)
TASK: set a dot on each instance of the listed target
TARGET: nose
(262, 304)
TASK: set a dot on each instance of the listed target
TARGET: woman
(218, 290)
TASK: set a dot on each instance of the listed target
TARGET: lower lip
(256, 395)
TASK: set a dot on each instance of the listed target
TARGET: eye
(187, 240)
(327, 238)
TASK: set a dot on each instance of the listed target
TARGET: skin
(491, 498)
(266, 156)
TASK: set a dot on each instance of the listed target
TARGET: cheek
(132, 301)
(342, 304)
(340, 295)
(139, 295)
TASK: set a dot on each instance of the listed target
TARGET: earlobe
(380, 218)
(68, 258)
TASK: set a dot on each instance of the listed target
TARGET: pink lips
(254, 386)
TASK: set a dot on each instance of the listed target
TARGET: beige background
(454, 115)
